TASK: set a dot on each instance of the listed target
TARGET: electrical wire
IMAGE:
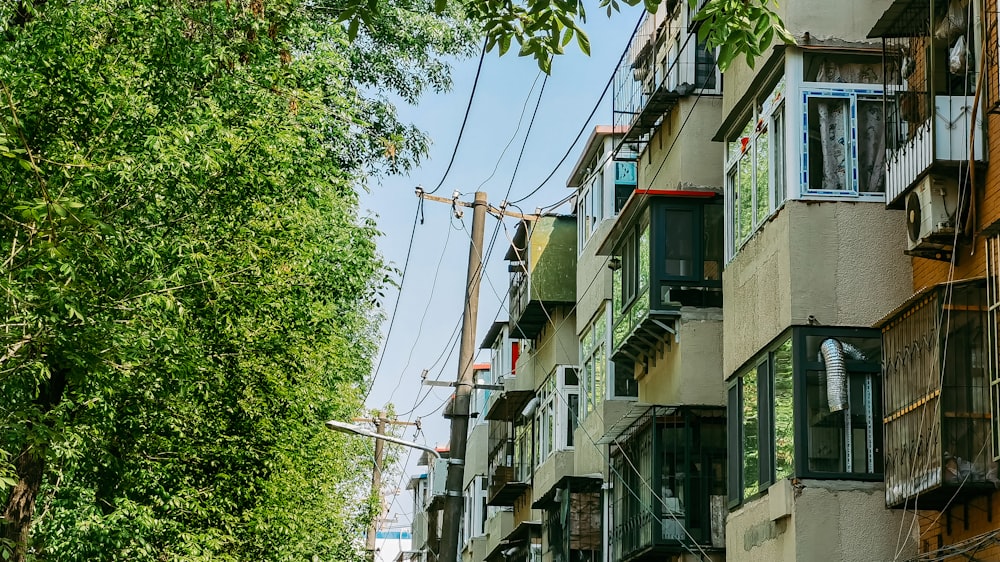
(465, 119)
(586, 123)
(395, 308)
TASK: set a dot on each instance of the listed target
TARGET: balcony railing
(669, 486)
(930, 79)
(937, 422)
(662, 63)
(508, 475)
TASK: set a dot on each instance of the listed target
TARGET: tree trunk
(21, 503)
(30, 464)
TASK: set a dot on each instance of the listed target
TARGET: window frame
(595, 338)
(853, 93)
(762, 367)
(553, 416)
(765, 119)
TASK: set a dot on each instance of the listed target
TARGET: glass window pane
(778, 158)
(784, 418)
(829, 132)
(600, 374)
(763, 201)
(679, 250)
(625, 383)
(573, 402)
(745, 197)
(871, 147)
(713, 243)
(643, 271)
(751, 439)
(733, 202)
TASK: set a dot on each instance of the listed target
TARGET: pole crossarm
(491, 209)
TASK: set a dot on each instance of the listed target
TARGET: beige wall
(475, 549)
(697, 161)
(690, 368)
(477, 451)
(824, 521)
(497, 528)
(591, 458)
(559, 464)
(593, 278)
(841, 262)
(557, 344)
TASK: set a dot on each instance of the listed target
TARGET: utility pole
(453, 501)
(380, 421)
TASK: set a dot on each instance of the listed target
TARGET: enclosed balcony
(669, 484)
(572, 519)
(542, 260)
(937, 422)
(930, 62)
(663, 62)
(510, 448)
(667, 253)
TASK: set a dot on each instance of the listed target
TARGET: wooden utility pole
(454, 502)
(380, 421)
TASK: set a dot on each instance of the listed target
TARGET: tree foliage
(543, 30)
(187, 291)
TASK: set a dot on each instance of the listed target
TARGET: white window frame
(551, 415)
(767, 119)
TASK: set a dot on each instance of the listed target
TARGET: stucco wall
(689, 371)
(559, 464)
(829, 521)
(477, 451)
(694, 162)
(593, 278)
(497, 528)
(840, 262)
(591, 458)
(557, 344)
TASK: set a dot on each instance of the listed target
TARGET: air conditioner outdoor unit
(931, 214)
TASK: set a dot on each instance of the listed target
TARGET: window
(598, 374)
(595, 203)
(557, 412)
(844, 146)
(474, 523)
(668, 481)
(755, 169)
(834, 431)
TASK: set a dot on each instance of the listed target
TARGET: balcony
(508, 467)
(572, 519)
(938, 422)
(523, 544)
(542, 260)
(669, 484)
(930, 80)
(667, 252)
(663, 63)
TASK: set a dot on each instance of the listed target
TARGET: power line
(465, 119)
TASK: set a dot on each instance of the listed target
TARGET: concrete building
(770, 331)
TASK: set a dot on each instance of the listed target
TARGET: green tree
(544, 29)
(187, 290)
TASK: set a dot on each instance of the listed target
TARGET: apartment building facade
(779, 330)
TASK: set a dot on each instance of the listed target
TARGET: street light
(379, 437)
(358, 430)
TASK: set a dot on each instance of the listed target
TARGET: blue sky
(432, 296)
